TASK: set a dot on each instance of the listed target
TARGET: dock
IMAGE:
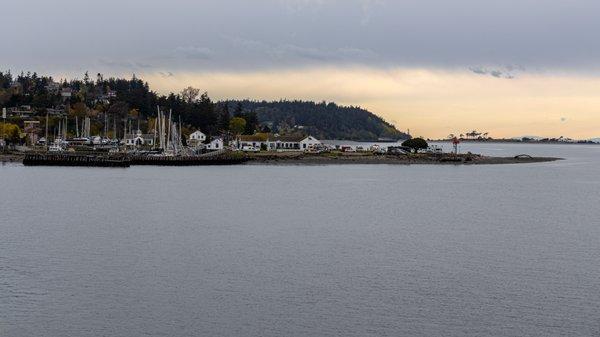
(47, 159)
(188, 160)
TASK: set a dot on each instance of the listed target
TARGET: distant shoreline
(513, 141)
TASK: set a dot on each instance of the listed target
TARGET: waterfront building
(270, 142)
(257, 140)
(295, 142)
(196, 138)
(215, 144)
(139, 139)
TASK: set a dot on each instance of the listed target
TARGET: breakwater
(122, 160)
(187, 160)
(75, 160)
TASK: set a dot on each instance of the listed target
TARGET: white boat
(55, 148)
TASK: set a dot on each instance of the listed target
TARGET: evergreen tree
(251, 123)
(224, 117)
(239, 110)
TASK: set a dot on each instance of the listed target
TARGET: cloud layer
(509, 67)
(244, 35)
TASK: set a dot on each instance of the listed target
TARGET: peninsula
(118, 122)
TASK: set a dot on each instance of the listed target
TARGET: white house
(309, 142)
(293, 143)
(215, 144)
(258, 140)
(139, 139)
(196, 138)
(278, 143)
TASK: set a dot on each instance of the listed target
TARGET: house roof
(263, 137)
(291, 138)
(257, 137)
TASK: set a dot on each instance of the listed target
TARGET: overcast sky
(504, 40)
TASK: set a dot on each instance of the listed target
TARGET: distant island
(476, 136)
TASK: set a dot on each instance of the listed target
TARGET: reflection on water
(499, 250)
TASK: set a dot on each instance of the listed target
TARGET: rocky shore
(335, 158)
(11, 158)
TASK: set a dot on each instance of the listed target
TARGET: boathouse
(139, 139)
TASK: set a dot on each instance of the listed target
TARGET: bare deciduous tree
(189, 94)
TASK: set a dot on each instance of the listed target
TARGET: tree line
(117, 100)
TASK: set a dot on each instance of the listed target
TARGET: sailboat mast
(169, 130)
(46, 130)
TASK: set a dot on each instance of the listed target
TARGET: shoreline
(335, 158)
(370, 159)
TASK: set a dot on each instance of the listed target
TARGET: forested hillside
(117, 101)
(323, 120)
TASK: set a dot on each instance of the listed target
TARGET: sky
(509, 68)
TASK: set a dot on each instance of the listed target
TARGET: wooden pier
(47, 159)
(188, 160)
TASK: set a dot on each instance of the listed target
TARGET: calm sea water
(507, 250)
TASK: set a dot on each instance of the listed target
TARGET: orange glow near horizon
(431, 103)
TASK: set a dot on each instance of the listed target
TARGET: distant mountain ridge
(322, 120)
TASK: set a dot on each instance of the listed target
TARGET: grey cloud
(345, 53)
(125, 65)
(292, 52)
(507, 73)
(550, 35)
(198, 53)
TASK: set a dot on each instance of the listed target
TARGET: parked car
(249, 148)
